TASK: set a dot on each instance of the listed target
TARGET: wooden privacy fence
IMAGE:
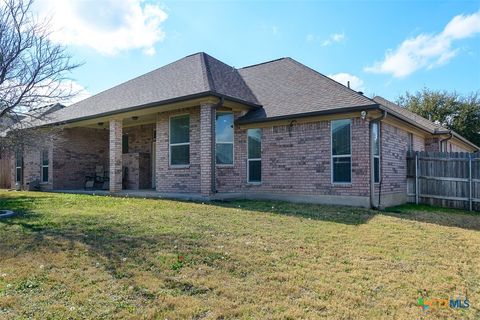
(447, 179)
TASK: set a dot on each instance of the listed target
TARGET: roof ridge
(259, 64)
(338, 84)
(206, 72)
(133, 79)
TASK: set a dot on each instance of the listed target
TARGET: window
(254, 161)
(125, 143)
(410, 142)
(443, 146)
(180, 140)
(224, 138)
(44, 161)
(18, 166)
(341, 151)
(376, 151)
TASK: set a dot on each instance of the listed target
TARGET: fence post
(416, 178)
(470, 196)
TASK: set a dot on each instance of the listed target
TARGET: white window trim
(410, 142)
(170, 145)
(16, 171)
(232, 143)
(340, 156)
(44, 166)
(379, 155)
(254, 159)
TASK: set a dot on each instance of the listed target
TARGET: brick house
(199, 128)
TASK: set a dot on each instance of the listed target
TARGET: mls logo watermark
(458, 301)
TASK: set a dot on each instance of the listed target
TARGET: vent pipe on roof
(348, 84)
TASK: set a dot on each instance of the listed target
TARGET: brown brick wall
(393, 159)
(418, 143)
(138, 159)
(140, 138)
(32, 167)
(174, 179)
(115, 155)
(76, 152)
(139, 171)
(207, 116)
(432, 144)
(298, 161)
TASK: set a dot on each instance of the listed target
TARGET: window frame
(254, 159)
(410, 142)
(42, 166)
(18, 178)
(178, 166)
(232, 143)
(378, 156)
(332, 156)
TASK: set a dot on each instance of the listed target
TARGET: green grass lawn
(78, 256)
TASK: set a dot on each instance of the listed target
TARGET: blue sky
(382, 47)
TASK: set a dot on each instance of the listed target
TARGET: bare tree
(33, 70)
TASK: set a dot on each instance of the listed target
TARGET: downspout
(450, 136)
(213, 146)
(372, 160)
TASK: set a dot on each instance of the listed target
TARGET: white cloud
(355, 82)
(427, 51)
(107, 26)
(333, 38)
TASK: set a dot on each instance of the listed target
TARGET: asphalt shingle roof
(193, 75)
(285, 87)
(413, 117)
(281, 88)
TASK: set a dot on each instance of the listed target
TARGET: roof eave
(438, 131)
(406, 119)
(463, 139)
(155, 104)
(308, 114)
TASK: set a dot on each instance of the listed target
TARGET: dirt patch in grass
(74, 256)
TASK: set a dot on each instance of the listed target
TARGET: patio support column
(116, 155)
(207, 149)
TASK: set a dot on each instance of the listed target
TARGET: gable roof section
(195, 75)
(287, 88)
(417, 120)
(406, 114)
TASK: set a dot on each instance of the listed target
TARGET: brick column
(207, 149)
(115, 155)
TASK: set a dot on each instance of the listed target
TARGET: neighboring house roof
(12, 119)
(287, 88)
(195, 75)
(418, 120)
(280, 88)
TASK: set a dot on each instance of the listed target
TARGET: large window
(376, 151)
(18, 166)
(341, 151)
(45, 162)
(254, 161)
(224, 138)
(180, 140)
